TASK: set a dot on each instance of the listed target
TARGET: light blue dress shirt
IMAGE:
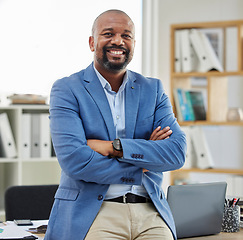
(117, 106)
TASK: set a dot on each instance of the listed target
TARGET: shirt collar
(106, 85)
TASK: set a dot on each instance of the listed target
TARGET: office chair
(29, 202)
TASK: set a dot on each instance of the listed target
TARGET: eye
(127, 36)
(107, 34)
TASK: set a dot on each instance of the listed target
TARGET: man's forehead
(110, 20)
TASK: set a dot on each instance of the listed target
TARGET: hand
(159, 134)
(105, 148)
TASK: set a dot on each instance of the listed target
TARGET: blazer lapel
(95, 89)
(131, 105)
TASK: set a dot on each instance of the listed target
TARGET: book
(177, 105)
(183, 105)
(195, 97)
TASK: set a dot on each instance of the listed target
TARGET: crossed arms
(105, 148)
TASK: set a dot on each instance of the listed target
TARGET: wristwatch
(117, 145)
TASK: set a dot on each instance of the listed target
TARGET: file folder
(26, 135)
(45, 136)
(204, 157)
(185, 47)
(190, 161)
(35, 135)
(177, 58)
(7, 143)
(206, 55)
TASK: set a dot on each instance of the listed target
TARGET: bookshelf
(216, 86)
(22, 170)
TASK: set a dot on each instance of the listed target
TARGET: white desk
(220, 236)
(12, 230)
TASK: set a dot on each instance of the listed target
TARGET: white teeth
(117, 52)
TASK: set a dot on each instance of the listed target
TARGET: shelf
(212, 170)
(32, 160)
(208, 123)
(25, 170)
(215, 87)
(8, 160)
(25, 106)
(206, 74)
(218, 24)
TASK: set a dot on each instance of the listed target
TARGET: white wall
(43, 40)
(225, 142)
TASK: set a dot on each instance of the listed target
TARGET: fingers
(160, 134)
(153, 135)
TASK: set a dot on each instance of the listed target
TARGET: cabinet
(216, 83)
(21, 170)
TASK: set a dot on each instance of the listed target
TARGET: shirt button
(100, 197)
(117, 117)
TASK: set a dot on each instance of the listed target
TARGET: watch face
(117, 145)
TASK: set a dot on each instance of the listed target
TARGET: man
(114, 134)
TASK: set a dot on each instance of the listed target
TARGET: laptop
(197, 208)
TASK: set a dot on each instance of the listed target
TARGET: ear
(91, 43)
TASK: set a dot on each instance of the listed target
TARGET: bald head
(112, 41)
(112, 11)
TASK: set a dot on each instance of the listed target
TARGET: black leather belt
(130, 198)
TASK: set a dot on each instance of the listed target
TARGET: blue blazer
(79, 110)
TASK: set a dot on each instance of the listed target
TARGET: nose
(117, 40)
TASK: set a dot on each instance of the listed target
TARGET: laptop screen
(197, 208)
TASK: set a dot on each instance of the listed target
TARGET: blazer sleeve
(161, 155)
(76, 159)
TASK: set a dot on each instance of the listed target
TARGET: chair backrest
(29, 202)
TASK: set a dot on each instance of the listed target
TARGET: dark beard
(114, 67)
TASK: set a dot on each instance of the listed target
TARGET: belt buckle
(124, 198)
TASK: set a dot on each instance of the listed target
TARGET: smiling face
(112, 41)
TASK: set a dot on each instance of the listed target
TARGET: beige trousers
(127, 222)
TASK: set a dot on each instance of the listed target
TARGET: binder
(185, 51)
(45, 136)
(204, 157)
(206, 55)
(177, 58)
(190, 161)
(7, 143)
(35, 135)
(26, 135)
